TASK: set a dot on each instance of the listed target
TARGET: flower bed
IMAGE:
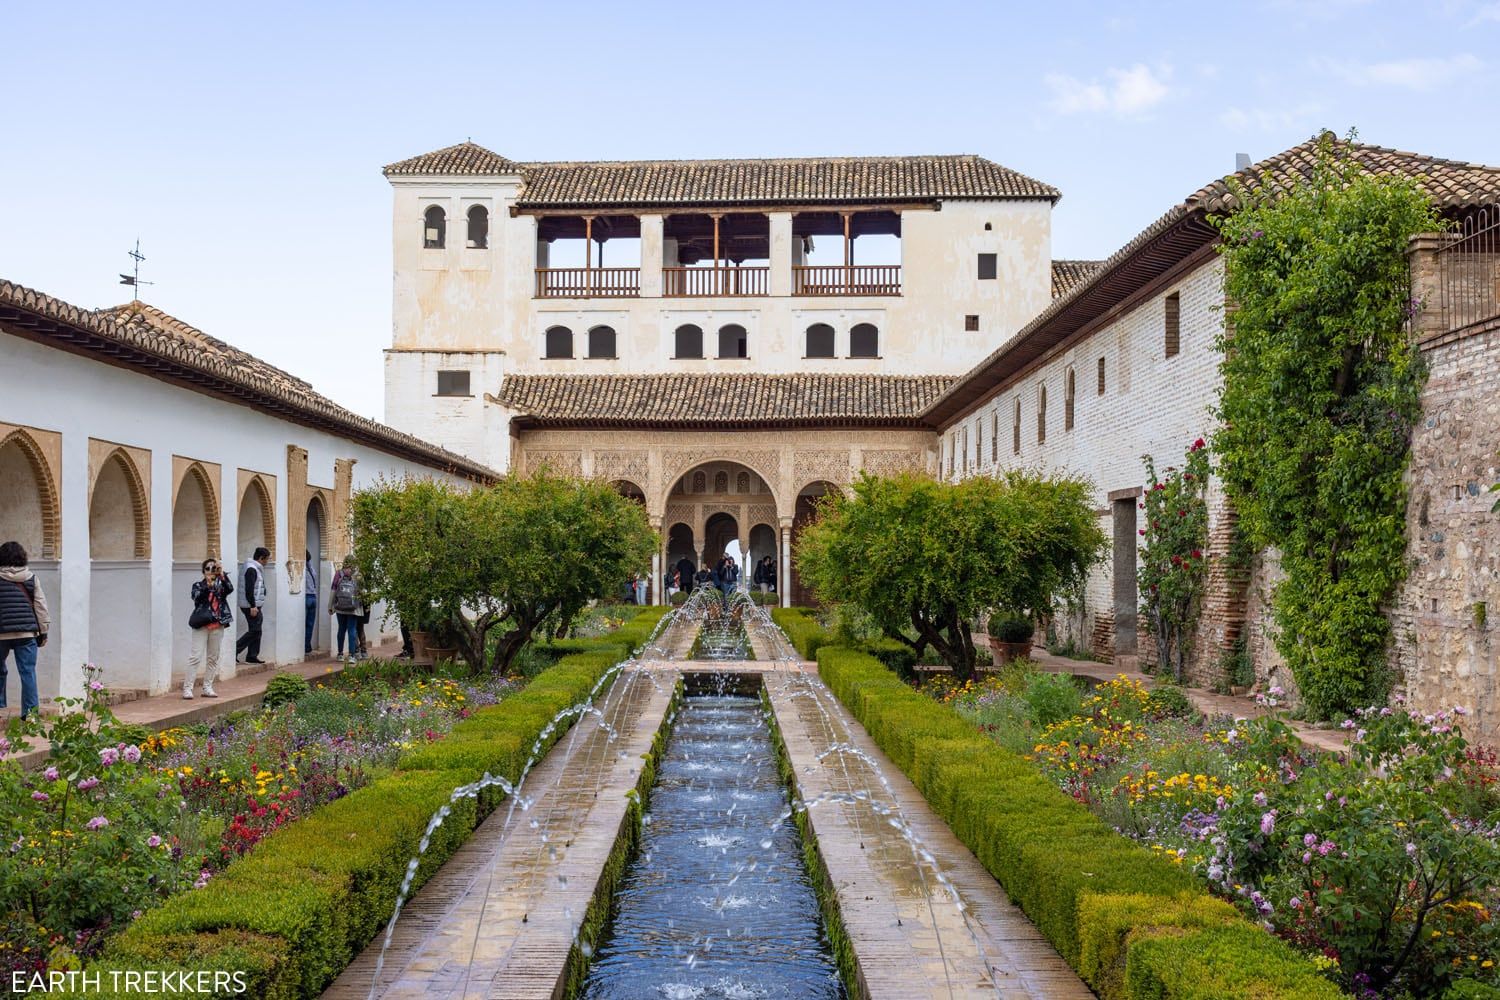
(1383, 866)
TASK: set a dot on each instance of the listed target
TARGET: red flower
(1197, 554)
(1198, 444)
(1141, 531)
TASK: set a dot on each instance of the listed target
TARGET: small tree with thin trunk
(496, 563)
(926, 558)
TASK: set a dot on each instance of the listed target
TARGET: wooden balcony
(701, 282)
(588, 282)
(850, 279)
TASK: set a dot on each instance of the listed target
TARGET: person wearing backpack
(344, 602)
(24, 621)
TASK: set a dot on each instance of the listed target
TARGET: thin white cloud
(1488, 12)
(1407, 74)
(1301, 116)
(1125, 92)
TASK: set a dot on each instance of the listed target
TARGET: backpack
(346, 594)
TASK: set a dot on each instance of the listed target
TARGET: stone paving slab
(909, 937)
(497, 920)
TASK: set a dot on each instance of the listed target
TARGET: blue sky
(243, 147)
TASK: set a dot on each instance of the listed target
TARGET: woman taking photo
(211, 616)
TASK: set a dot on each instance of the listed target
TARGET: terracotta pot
(439, 653)
(1004, 652)
(419, 644)
(1239, 689)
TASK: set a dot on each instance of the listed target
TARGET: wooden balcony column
(588, 255)
(718, 285)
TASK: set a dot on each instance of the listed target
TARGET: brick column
(1422, 259)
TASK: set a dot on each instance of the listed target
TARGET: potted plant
(1010, 637)
(442, 639)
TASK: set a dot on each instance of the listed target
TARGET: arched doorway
(315, 626)
(120, 575)
(29, 515)
(255, 528)
(718, 531)
(195, 524)
(808, 499)
(762, 544)
(680, 548)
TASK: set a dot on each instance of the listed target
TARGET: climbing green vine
(1173, 565)
(1321, 388)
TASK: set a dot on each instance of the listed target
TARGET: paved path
(165, 711)
(498, 919)
(910, 938)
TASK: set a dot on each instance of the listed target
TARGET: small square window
(987, 267)
(454, 383)
(971, 322)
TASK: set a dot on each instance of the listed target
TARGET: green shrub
(284, 687)
(1131, 922)
(1003, 628)
(679, 599)
(802, 629)
(1051, 698)
(1468, 989)
(895, 654)
(1169, 700)
(296, 910)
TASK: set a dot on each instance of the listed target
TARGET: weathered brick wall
(1446, 615)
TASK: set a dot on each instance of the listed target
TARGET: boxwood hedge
(1133, 924)
(295, 911)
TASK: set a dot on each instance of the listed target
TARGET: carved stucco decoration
(684, 513)
(811, 466)
(889, 463)
(634, 466)
(562, 463)
(761, 513)
(766, 464)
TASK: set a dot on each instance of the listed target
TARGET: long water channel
(717, 902)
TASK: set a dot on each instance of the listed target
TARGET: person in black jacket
(253, 604)
(686, 568)
(24, 621)
(211, 616)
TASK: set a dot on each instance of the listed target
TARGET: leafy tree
(496, 563)
(1173, 565)
(1321, 388)
(927, 558)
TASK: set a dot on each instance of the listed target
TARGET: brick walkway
(165, 711)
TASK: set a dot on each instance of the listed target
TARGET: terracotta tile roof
(1451, 184)
(717, 400)
(463, 158)
(142, 337)
(821, 180)
(1069, 274)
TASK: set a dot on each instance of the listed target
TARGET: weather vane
(134, 278)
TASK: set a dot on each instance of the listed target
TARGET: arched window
(689, 341)
(742, 482)
(864, 341)
(733, 341)
(995, 436)
(700, 482)
(721, 482)
(1041, 414)
(820, 341)
(559, 342)
(1068, 394)
(479, 227)
(1101, 376)
(1015, 430)
(434, 228)
(602, 342)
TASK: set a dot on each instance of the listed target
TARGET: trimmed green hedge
(1133, 924)
(296, 910)
(802, 629)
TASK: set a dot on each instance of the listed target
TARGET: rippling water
(717, 903)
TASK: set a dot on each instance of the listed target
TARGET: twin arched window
(434, 228)
(689, 341)
(864, 341)
(479, 227)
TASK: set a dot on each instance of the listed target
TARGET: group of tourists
(724, 576)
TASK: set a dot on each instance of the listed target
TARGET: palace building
(728, 340)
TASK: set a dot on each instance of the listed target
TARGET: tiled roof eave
(36, 316)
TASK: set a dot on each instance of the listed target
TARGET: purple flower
(87, 783)
(108, 756)
(1307, 857)
(1295, 903)
(40, 797)
(132, 755)
(1347, 724)
(97, 823)
(153, 841)
(1411, 849)
(95, 686)
(4, 746)
(50, 774)
(1278, 690)
(1309, 839)
(1259, 798)
(1268, 822)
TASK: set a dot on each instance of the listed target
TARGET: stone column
(1426, 286)
(781, 253)
(651, 255)
(784, 578)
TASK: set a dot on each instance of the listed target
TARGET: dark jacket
(768, 574)
(703, 578)
(687, 569)
(23, 609)
(205, 596)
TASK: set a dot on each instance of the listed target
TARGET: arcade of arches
(705, 489)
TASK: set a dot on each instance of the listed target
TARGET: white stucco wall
(459, 303)
(130, 616)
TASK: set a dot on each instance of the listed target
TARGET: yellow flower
(186, 769)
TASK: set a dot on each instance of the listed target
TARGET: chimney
(1241, 162)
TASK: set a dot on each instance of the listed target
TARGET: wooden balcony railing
(588, 282)
(851, 279)
(697, 282)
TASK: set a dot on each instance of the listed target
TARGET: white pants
(211, 639)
